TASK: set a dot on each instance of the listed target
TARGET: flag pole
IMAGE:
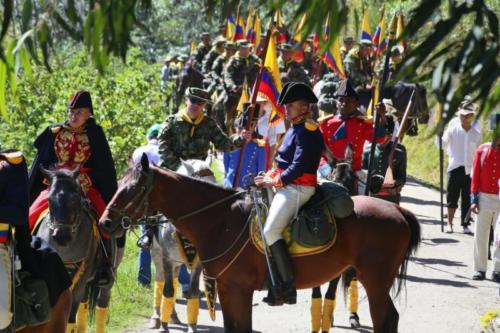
(376, 118)
(253, 100)
(439, 119)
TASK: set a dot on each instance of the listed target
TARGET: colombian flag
(239, 30)
(296, 41)
(365, 28)
(379, 41)
(253, 32)
(230, 27)
(280, 26)
(333, 59)
(270, 84)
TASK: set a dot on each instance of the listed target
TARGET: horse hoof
(354, 320)
(192, 329)
(163, 328)
(174, 319)
(154, 323)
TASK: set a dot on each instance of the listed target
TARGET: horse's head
(131, 200)
(65, 203)
(343, 172)
(197, 169)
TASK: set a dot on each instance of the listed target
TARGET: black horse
(70, 228)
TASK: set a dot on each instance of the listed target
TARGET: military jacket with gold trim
(58, 146)
(300, 152)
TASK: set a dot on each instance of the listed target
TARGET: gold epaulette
(15, 157)
(311, 125)
(321, 120)
(260, 142)
(55, 129)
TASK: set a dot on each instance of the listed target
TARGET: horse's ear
(47, 173)
(145, 162)
(348, 157)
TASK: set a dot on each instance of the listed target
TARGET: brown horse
(377, 241)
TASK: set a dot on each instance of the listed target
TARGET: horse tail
(93, 294)
(415, 237)
(347, 276)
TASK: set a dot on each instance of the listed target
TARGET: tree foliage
(33, 29)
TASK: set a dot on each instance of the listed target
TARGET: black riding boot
(286, 292)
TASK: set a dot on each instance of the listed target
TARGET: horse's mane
(133, 173)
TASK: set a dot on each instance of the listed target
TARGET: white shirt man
(461, 139)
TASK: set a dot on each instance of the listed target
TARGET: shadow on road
(438, 261)
(200, 329)
(437, 241)
(443, 282)
(362, 329)
(417, 201)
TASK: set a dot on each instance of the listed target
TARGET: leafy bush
(126, 100)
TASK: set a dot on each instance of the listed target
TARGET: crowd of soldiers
(230, 67)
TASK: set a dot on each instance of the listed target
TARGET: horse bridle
(73, 227)
(142, 196)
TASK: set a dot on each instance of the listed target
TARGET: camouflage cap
(348, 39)
(219, 40)
(397, 50)
(365, 42)
(198, 94)
(242, 43)
(205, 34)
(231, 45)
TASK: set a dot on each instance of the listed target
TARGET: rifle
(389, 175)
(376, 120)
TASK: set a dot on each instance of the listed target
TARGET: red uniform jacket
(338, 132)
(485, 170)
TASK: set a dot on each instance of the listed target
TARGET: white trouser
(489, 209)
(5, 286)
(285, 205)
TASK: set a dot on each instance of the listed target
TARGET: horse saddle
(314, 230)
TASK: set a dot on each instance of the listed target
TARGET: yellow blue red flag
(230, 27)
(379, 40)
(270, 84)
(366, 34)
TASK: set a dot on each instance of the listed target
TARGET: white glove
(325, 170)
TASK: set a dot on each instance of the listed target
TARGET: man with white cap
(461, 139)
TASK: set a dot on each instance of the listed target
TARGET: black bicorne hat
(296, 91)
(81, 99)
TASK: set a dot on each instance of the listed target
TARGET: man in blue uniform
(254, 156)
(36, 257)
(295, 182)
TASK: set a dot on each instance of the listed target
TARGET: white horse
(168, 259)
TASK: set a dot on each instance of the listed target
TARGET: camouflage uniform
(209, 60)
(358, 70)
(326, 98)
(293, 71)
(176, 141)
(201, 52)
(236, 71)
